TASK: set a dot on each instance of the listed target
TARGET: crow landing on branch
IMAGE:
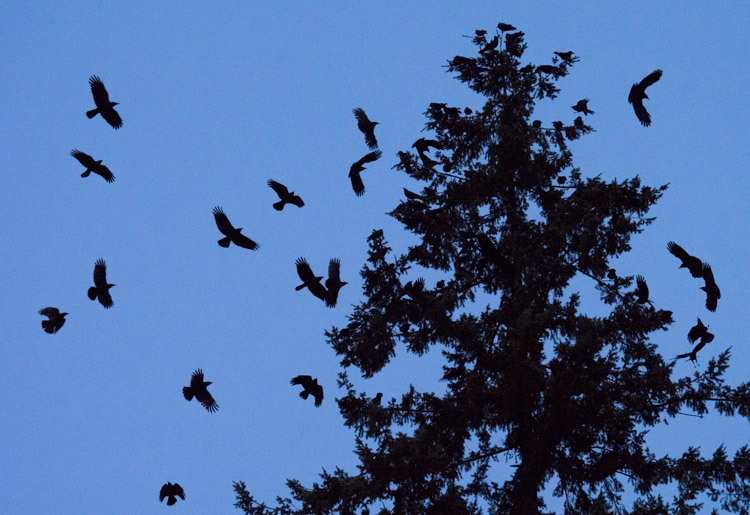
(199, 389)
(311, 387)
(92, 166)
(101, 287)
(638, 93)
(103, 105)
(55, 322)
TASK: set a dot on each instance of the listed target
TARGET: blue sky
(218, 97)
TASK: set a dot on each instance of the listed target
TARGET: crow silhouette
(582, 107)
(698, 331)
(480, 32)
(55, 322)
(638, 93)
(333, 283)
(578, 122)
(101, 288)
(414, 196)
(548, 68)
(566, 56)
(311, 387)
(377, 399)
(367, 127)
(713, 294)
(232, 235)
(423, 145)
(357, 184)
(170, 490)
(199, 389)
(404, 161)
(692, 263)
(310, 280)
(505, 27)
(92, 166)
(489, 46)
(103, 105)
(641, 290)
(285, 195)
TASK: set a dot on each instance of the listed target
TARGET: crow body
(310, 280)
(641, 290)
(692, 263)
(713, 294)
(582, 107)
(366, 126)
(55, 322)
(333, 283)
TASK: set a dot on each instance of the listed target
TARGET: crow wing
(649, 79)
(641, 112)
(222, 222)
(207, 401)
(281, 190)
(165, 491)
(305, 381)
(642, 289)
(101, 97)
(369, 158)
(696, 331)
(85, 159)
(104, 172)
(366, 126)
(177, 489)
(111, 116)
(243, 241)
(334, 268)
(50, 312)
(357, 185)
(317, 391)
(196, 380)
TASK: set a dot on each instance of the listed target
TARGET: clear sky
(218, 97)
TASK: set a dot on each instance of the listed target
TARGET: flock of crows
(329, 290)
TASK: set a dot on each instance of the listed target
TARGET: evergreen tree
(567, 397)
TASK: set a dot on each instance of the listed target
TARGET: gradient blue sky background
(218, 97)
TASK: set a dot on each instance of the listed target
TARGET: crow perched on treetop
(103, 105)
(310, 280)
(638, 93)
(285, 195)
(490, 46)
(565, 56)
(232, 235)
(367, 127)
(101, 288)
(582, 107)
(171, 490)
(505, 27)
(199, 389)
(333, 283)
(357, 184)
(692, 263)
(92, 166)
(311, 387)
(713, 294)
(55, 322)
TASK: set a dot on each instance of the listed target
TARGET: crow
(377, 399)
(578, 123)
(310, 280)
(423, 145)
(311, 387)
(404, 161)
(467, 111)
(285, 195)
(692, 263)
(559, 128)
(414, 196)
(699, 331)
(513, 43)
(489, 46)
(548, 68)
(713, 294)
(232, 235)
(641, 291)
(505, 27)
(480, 32)
(333, 283)
(171, 490)
(638, 93)
(198, 389)
(693, 354)
(566, 56)
(357, 184)
(92, 166)
(103, 106)
(55, 322)
(101, 288)
(367, 127)
(582, 107)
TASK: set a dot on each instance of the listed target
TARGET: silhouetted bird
(692, 263)
(103, 105)
(101, 288)
(170, 490)
(55, 322)
(377, 399)
(357, 184)
(232, 235)
(698, 331)
(199, 389)
(548, 68)
(611, 273)
(480, 32)
(505, 27)
(578, 122)
(404, 161)
(705, 337)
(285, 195)
(490, 252)
(414, 196)
(641, 291)
(413, 288)
(311, 387)
(638, 93)
(489, 46)
(513, 43)
(467, 111)
(561, 180)
(423, 145)
(426, 161)
(367, 127)
(713, 294)
(559, 128)
(92, 166)
(310, 280)
(582, 107)
(565, 56)
(333, 283)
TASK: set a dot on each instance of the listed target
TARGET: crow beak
(209, 382)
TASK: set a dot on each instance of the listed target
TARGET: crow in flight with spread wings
(638, 93)
(692, 263)
(566, 56)
(199, 389)
(582, 107)
(232, 235)
(285, 195)
(366, 126)
(333, 283)
(311, 387)
(92, 166)
(357, 184)
(101, 288)
(55, 322)
(170, 490)
(713, 294)
(310, 280)
(103, 106)
(699, 331)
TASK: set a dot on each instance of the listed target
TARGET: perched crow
(561, 180)
(367, 127)
(198, 389)
(333, 283)
(285, 195)
(232, 235)
(548, 68)
(103, 106)
(310, 280)
(377, 399)
(713, 294)
(638, 93)
(692, 263)
(641, 291)
(612, 274)
(513, 43)
(423, 145)
(578, 122)
(404, 161)
(101, 288)
(699, 331)
(357, 184)
(505, 27)
(582, 107)
(490, 46)
(566, 56)
(414, 196)
(480, 32)
(92, 166)
(171, 490)
(311, 387)
(559, 128)
(413, 288)
(55, 322)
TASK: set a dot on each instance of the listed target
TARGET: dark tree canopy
(565, 397)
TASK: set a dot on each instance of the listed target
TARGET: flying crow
(198, 389)
(713, 294)
(103, 106)
(692, 263)
(357, 184)
(638, 93)
(232, 235)
(566, 56)
(367, 127)
(582, 107)
(311, 387)
(699, 331)
(310, 280)
(101, 288)
(285, 195)
(333, 283)
(92, 166)
(170, 490)
(641, 291)
(55, 322)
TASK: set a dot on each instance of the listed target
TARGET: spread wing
(650, 79)
(357, 185)
(49, 312)
(85, 159)
(207, 401)
(369, 158)
(642, 290)
(100, 275)
(222, 222)
(334, 267)
(111, 116)
(177, 489)
(243, 241)
(164, 492)
(305, 381)
(101, 97)
(104, 172)
(678, 251)
(196, 380)
(362, 118)
(297, 201)
(317, 392)
(281, 190)
(305, 273)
